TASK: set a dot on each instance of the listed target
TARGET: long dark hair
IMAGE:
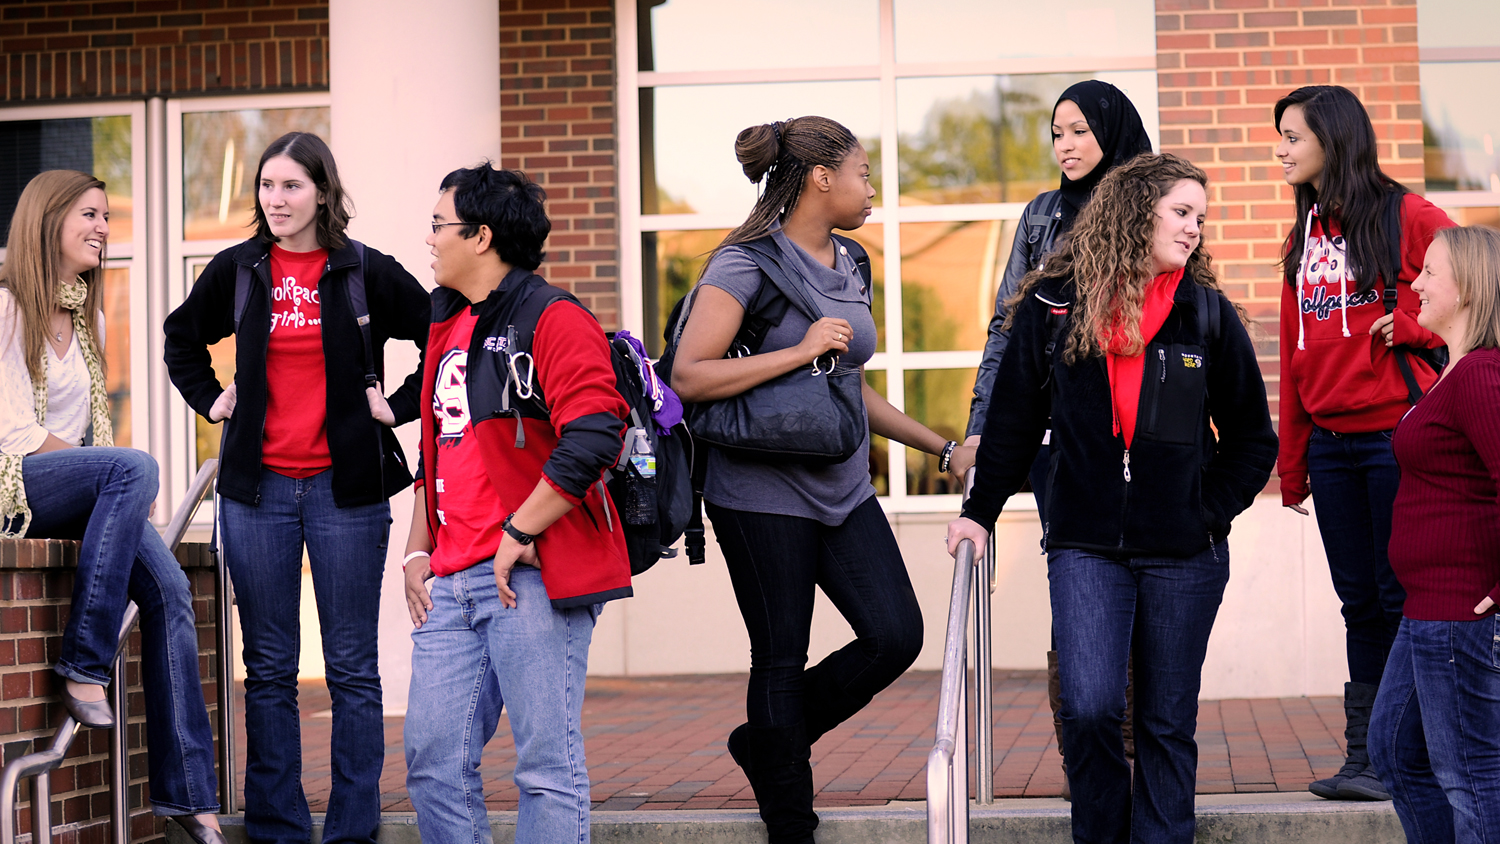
(1354, 188)
(783, 153)
(314, 156)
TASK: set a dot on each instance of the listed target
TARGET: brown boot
(1054, 697)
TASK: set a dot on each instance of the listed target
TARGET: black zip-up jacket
(1185, 485)
(1036, 235)
(399, 309)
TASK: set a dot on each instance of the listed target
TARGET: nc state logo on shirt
(450, 397)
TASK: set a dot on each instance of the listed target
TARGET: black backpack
(766, 309)
(1434, 358)
(649, 542)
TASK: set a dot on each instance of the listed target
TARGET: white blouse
(67, 389)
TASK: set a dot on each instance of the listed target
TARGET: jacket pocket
(1172, 390)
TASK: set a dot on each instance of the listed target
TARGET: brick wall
(36, 584)
(557, 99)
(1223, 64)
(133, 48)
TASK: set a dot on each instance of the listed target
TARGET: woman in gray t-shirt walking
(785, 528)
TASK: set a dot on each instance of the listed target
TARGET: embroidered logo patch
(1192, 361)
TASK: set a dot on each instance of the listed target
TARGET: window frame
(130, 254)
(888, 211)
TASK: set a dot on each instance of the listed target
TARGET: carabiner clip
(523, 383)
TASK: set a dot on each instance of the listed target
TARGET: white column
(416, 94)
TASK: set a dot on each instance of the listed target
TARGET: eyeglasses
(436, 226)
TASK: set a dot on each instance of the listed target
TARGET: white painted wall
(1279, 632)
(413, 97)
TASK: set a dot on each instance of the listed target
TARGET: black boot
(777, 761)
(1354, 781)
(1054, 699)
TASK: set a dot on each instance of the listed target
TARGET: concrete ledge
(1238, 818)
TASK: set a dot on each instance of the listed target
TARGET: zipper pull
(1127, 465)
(1161, 355)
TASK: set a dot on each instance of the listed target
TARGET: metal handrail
(38, 765)
(947, 762)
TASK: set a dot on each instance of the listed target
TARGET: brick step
(1240, 818)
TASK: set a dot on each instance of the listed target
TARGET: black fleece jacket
(1185, 484)
(399, 309)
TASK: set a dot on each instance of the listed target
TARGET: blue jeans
(1163, 609)
(471, 659)
(346, 549)
(1354, 479)
(103, 495)
(776, 564)
(1435, 731)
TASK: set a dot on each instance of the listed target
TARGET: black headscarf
(1117, 126)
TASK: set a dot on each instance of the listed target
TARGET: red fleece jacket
(1349, 384)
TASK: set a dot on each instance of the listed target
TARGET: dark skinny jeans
(775, 564)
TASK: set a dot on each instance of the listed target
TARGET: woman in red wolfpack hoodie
(1342, 385)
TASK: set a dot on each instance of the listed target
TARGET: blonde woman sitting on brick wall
(52, 386)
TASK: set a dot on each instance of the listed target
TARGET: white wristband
(413, 555)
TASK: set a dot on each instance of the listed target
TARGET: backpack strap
(1208, 312)
(1044, 219)
(1389, 281)
(520, 317)
(242, 281)
(359, 306)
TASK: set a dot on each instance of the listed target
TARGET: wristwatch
(515, 532)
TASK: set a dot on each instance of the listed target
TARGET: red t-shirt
(468, 509)
(296, 433)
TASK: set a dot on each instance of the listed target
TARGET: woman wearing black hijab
(1095, 128)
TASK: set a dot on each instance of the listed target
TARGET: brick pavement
(658, 743)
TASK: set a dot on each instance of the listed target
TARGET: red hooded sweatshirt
(1333, 373)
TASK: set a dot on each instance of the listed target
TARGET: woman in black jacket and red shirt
(302, 465)
(1342, 385)
(1142, 490)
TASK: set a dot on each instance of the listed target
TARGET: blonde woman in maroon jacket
(1435, 734)
(1357, 232)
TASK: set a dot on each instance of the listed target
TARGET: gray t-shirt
(826, 493)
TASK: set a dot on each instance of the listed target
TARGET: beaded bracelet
(947, 456)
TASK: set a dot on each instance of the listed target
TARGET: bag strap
(861, 258)
(769, 258)
(359, 306)
(242, 281)
(1208, 312)
(1389, 281)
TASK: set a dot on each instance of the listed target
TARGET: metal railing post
(224, 600)
(947, 763)
(984, 703)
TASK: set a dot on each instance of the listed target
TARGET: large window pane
(117, 350)
(673, 260)
(939, 399)
(1459, 130)
(688, 132)
(96, 145)
(982, 30)
(695, 35)
(949, 273)
(220, 151)
(989, 138)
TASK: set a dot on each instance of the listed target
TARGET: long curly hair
(1108, 255)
